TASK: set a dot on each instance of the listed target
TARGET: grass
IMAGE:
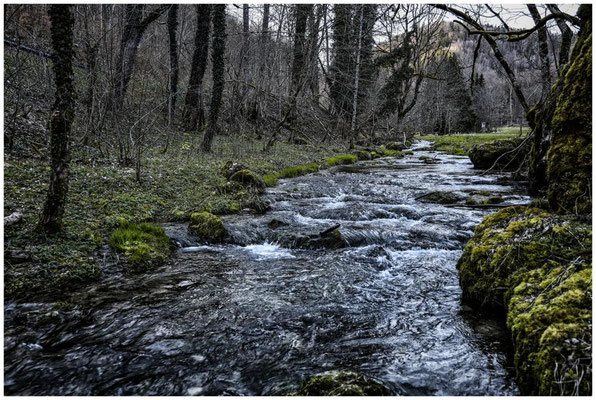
(303, 169)
(145, 245)
(341, 159)
(102, 195)
(461, 144)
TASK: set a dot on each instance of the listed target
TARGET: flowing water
(259, 316)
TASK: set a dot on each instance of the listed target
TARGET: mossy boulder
(440, 197)
(145, 245)
(248, 178)
(207, 227)
(341, 383)
(504, 154)
(569, 158)
(395, 146)
(363, 155)
(535, 267)
(231, 167)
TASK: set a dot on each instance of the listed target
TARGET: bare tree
(217, 57)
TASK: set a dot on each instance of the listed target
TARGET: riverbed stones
(207, 227)
(535, 267)
(341, 383)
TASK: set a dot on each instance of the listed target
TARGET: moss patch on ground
(460, 145)
(535, 267)
(173, 186)
(145, 245)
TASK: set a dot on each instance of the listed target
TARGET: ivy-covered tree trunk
(217, 58)
(569, 158)
(542, 120)
(194, 115)
(62, 23)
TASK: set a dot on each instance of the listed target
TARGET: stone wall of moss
(569, 159)
(535, 267)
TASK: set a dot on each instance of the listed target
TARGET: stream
(259, 316)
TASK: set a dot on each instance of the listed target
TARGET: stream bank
(261, 315)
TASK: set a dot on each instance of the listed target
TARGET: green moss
(342, 159)
(535, 267)
(569, 159)
(248, 178)
(423, 157)
(144, 245)
(270, 180)
(207, 227)
(341, 383)
(303, 169)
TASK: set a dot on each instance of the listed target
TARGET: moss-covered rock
(341, 383)
(569, 158)
(535, 267)
(248, 178)
(207, 227)
(440, 197)
(144, 245)
(231, 167)
(363, 155)
(395, 146)
(504, 154)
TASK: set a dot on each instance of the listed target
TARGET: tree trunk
(297, 78)
(566, 37)
(62, 23)
(173, 86)
(217, 57)
(356, 80)
(543, 52)
(194, 115)
(134, 27)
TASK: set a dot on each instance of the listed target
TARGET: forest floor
(461, 144)
(172, 186)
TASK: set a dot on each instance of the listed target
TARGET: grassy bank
(173, 186)
(461, 144)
